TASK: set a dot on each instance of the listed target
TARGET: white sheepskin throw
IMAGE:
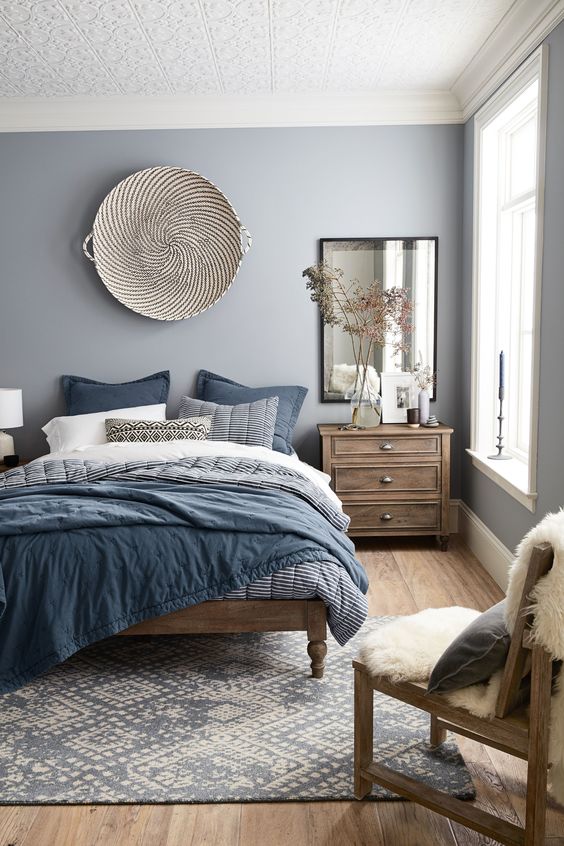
(407, 648)
(344, 376)
(547, 604)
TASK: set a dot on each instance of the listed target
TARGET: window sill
(511, 475)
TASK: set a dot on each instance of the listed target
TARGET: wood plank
(491, 795)
(116, 823)
(423, 573)
(339, 824)
(15, 822)
(214, 825)
(157, 824)
(279, 824)
(143, 824)
(512, 773)
(468, 582)
(442, 803)
(388, 593)
(65, 825)
(408, 824)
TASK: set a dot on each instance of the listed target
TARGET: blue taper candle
(501, 371)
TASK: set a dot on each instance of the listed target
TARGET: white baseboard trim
(487, 548)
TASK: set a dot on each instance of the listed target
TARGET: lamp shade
(11, 414)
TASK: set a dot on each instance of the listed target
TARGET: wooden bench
(516, 730)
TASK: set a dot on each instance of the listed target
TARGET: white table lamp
(11, 416)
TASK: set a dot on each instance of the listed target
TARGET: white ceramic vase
(423, 403)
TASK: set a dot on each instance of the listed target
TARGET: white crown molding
(494, 556)
(520, 31)
(41, 114)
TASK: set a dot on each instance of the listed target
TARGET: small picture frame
(397, 392)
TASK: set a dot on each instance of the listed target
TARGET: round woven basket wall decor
(167, 243)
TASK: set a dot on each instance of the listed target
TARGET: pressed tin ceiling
(101, 48)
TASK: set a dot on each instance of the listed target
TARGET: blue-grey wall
(289, 186)
(506, 518)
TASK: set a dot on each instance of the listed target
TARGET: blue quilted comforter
(88, 549)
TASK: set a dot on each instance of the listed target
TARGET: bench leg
(363, 732)
(539, 721)
(438, 734)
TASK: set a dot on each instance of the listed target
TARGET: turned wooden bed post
(317, 636)
(230, 616)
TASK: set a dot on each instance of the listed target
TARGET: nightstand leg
(443, 540)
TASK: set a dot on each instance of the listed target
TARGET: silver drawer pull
(386, 516)
(386, 445)
(386, 480)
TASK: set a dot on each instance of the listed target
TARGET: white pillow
(64, 434)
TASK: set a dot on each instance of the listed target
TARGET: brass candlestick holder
(500, 454)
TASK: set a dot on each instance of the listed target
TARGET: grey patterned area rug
(203, 719)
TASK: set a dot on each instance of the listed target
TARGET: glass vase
(366, 408)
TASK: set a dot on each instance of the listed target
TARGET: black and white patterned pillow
(157, 431)
(249, 423)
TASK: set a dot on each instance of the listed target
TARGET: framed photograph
(398, 389)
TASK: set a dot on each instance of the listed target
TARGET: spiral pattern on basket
(167, 243)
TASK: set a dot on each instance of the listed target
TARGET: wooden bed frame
(231, 616)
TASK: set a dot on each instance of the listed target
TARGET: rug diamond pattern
(203, 719)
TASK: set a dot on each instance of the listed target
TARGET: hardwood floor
(405, 576)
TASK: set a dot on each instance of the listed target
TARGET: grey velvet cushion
(475, 655)
(249, 423)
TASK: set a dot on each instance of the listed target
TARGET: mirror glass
(409, 263)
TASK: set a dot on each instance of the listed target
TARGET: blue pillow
(213, 388)
(85, 396)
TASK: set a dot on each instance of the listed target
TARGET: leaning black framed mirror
(409, 263)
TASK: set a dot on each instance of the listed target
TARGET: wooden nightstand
(4, 467)
(393, 480)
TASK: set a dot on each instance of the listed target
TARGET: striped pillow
(250, 423)
(157, 431)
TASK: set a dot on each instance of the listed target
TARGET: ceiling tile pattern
(151, 47)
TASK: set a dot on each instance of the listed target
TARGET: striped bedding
(346, 606)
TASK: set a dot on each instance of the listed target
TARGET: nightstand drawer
(386, 478)
(372, 445)
(393, 516)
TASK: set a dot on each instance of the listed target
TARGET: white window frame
(515, 477)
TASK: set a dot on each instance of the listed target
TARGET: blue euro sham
(86, 396)
(219, 389)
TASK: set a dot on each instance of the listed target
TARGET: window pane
(506, 232)
(524, 386)
(523, 159)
